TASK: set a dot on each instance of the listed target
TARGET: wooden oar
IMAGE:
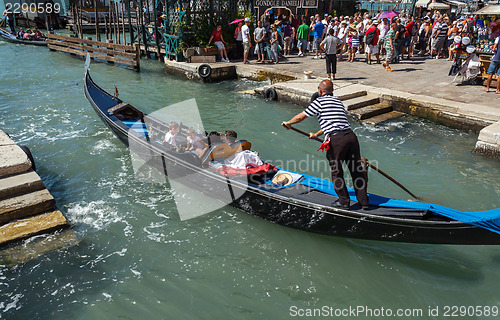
(369, 165)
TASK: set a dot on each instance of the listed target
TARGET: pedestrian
(399, 37)
(390, 45)
(414, 36)
(259, 36)
(352, 43)
(302, 36)
(330, 45)
(410, 23)
(287, 37)
(424, 35)
(274, 44)
(311, 33)
(238, 41)
(247, 42)
(218, 40)
(318, 29)
(494, 65)
(342, 35)
(371, 37)
(439, 33)
(343, 146)
(383, 28)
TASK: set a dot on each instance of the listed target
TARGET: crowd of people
(391, 38)
(28, 34)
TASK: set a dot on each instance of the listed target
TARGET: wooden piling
(97, 31)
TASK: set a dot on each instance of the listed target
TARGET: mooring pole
(144, 40)
(130, 30)
(97, 31)
(157, 35)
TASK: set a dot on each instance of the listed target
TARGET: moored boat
(5, 34)
(304, 204)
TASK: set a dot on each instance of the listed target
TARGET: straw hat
(282, 179)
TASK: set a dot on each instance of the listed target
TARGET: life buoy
(30, 156)
(314, 96)
(204, 70)
(271, 94)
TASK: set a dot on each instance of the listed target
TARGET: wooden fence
(110, 52)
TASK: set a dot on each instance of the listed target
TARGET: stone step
(13, 160)
(370, 111)
(343, 95)
(31, 226)
(18, 184)
(25, 205)
(384, 117)
(360, 102)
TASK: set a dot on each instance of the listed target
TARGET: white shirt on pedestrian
(245, 33)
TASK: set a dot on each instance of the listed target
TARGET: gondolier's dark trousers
(11, 25)
(344, 148)
(331, 63)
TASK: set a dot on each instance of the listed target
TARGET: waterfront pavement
(417, 81)
(417, 86)
(427, 77)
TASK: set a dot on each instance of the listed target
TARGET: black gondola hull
(292, 210)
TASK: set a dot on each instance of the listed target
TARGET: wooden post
(143, 26)
(111, 55)
(137, 48)
(111, 24)
(106, 26)
(117, 20)
(96, 13)
(138, 36)
(123, 23)
(81, 19)
(127, 3)
(157, 35)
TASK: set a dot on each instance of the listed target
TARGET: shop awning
(491, 9)
(438, 6)
(455, 3)
(422, 3)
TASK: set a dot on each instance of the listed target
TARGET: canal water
(135, 259)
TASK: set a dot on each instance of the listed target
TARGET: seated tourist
(38, 34)
(20, 34)
(27, 35)
(173, 129)
(195, 143)
(230, 136)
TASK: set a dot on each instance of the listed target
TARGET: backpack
(414, 30)
(370, 36)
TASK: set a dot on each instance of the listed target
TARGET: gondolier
(341, 144)
(10, 19)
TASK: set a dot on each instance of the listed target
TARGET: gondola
(12, 38)
(304, 204)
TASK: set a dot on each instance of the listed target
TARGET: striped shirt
(330, 112)
(444, 30)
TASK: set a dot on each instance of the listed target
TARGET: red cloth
(409, 26)
(228, 171)
(216, 36)
(325, 146)
(377, 34)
